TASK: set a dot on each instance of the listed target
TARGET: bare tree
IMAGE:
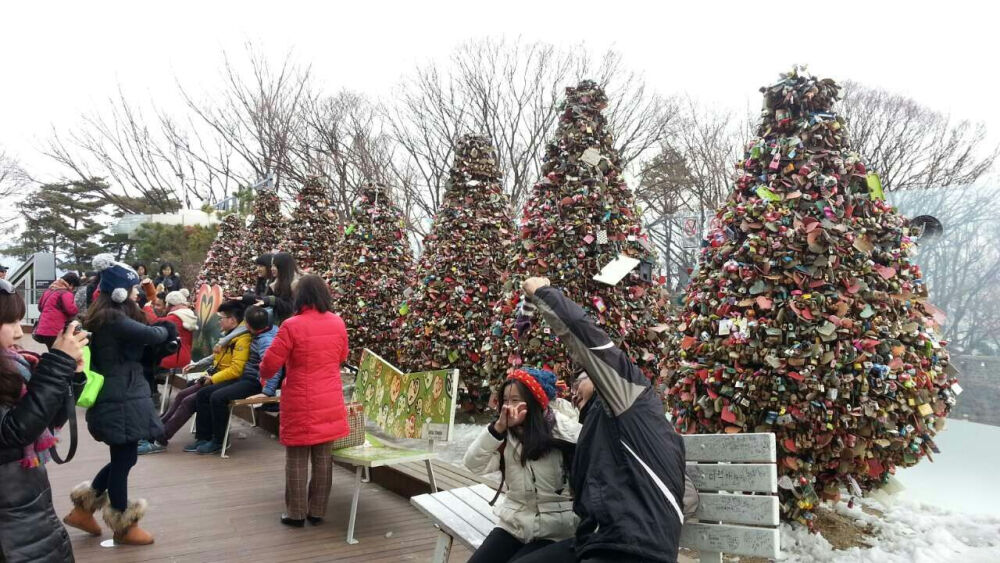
(510, 91)
(687, 180)
(257, 118)
(912, 146)
(13, 181)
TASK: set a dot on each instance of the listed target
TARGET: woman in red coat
(311, 346)
(183, 318)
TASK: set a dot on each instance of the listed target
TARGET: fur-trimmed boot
(86, 502)
(125, 524)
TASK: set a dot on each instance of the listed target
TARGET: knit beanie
(117, 279)
(179, 297)
(540, 382)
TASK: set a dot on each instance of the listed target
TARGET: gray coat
(124, 411)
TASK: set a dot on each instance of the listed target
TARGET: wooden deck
(204, 508)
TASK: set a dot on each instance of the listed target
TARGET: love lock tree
(580, 217)
(267, 231)
(223, 264)
(806, 317)
(313, 230)
(444, 321)
(373, 266)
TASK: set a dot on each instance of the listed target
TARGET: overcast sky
(61, 59)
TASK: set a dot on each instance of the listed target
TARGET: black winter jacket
(124, 411)
(29, 527)
(628, 471)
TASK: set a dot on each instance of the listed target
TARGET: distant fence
(980, 380)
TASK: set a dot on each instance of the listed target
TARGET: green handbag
(92, 387)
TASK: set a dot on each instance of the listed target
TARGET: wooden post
(442, 548)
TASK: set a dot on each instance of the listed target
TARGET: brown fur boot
(85, 503)
(125, 524)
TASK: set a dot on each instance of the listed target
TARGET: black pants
(500, 547)
(212, 406)
(48, 341)
(113, 477)
(565, 552)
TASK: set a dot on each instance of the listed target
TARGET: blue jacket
(258, 346)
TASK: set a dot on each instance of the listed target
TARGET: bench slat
(736, 540)
(457, 505)
(452, 524)
(734, 477)
(484, 491)
(738, 509)
(476, 502)
(747, 448)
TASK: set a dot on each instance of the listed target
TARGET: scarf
(35, 454)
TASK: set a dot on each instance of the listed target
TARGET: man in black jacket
(628, 471)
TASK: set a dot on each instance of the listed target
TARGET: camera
(172, 346)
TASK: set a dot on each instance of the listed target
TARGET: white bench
(373, 377)
(738, 523)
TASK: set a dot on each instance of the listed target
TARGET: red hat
(541, 383)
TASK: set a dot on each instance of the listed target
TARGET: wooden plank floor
(204, 508)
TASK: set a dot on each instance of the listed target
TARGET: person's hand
(216, 349)
(259, 303)
(207, 380)
(510, 416)
(71, 343)
(530, 285)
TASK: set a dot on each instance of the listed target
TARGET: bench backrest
(724, 469)
(406, 405)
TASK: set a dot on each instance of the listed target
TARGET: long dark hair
(535, 433)
(285, 264)
(104, 311)
(12, 310)
(312, 292)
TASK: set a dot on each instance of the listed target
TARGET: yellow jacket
(230, 360)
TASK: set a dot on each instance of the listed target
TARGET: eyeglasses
(7, 287)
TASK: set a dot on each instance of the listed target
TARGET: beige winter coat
(537, 502)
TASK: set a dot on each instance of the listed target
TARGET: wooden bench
(735, 475)
(401, 406)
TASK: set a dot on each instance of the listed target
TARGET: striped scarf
(36, 453)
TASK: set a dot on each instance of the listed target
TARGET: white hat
(179, 297)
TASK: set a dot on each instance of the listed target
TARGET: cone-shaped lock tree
(223, 264)
(373, 265)
(313, 230)
(444, 320)
(580, 217)
(806, 317)
(267, 231)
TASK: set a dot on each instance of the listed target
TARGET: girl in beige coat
(531, 444)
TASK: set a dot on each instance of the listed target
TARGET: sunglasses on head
(7, 287)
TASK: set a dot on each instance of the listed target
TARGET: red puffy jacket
(311, 346)
(186, 322)
(56, 307)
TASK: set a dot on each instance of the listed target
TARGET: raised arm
(618, 381)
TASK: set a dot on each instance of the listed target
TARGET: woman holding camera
(32, 398)
(123, 413)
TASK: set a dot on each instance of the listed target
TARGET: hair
(535, 433)
(264, 259)
(72, 278)
(142, 265)
(162, 296)
(257, 318)
(104, 311)
(168, 265)
(233, 308)
(285, 263)
(12, 310)
(312, 292)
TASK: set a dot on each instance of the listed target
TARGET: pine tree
(62, 219)
(372, 267)
(224, 264)
(267, 231)
(444, 321)
(580, 217)
(807, 318)
(313, 230)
